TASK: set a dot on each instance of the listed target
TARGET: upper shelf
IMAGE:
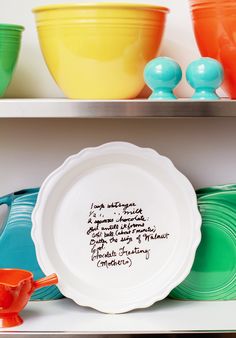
(63, 108)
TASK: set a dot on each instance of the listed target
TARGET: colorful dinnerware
(16, 246)
(119, 224)
(99, 50)
(16, 287)
(10, 42)
(215, 31)
(205, 75)
(213, 275)
(162, 75)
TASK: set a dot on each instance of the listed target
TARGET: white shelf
(63, 108)
(169, 316)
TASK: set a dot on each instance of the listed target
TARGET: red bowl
(16, 287)
(214, 24)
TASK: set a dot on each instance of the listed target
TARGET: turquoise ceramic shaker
(205, 75)
(162, 75)
(16, 246)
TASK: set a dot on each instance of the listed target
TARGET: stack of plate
(16, 246)
(213, 275)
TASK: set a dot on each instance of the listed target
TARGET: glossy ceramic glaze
(10, 42)
(215, 31)
(216, 188)
(120, 226)
(205, 75)
(162, 75)
(213, 275)
(99, 51)
(16, 246)
(16, 287)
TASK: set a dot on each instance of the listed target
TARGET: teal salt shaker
(162, 75)
(205, 75)
(16, 246)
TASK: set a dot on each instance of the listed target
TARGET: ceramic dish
(215, 28)
(213, 275)
(16, 246)
(16, 287)
(10, 42)
(120, 226)
(99, 50)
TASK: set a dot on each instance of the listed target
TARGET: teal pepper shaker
(205, 75)
(162, 75)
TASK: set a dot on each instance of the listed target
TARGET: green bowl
(10, 42)
(213, 274)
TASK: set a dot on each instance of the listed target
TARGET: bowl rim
(209, 4)
(112, 5)
(13, 270)
(12, 27)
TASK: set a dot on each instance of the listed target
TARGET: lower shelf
(64, 317)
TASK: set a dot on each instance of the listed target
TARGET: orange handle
(46, 281)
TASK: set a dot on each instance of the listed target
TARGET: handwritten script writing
(118, 232)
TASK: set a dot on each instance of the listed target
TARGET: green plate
(213, 275)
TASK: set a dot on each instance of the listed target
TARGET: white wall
(32, 78)
(204, 150)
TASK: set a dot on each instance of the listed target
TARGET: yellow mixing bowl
(99, 50)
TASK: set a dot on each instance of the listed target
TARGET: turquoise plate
(16, 246)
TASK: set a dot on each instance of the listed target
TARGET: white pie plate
(119, 225)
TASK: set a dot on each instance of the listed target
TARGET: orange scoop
(16, 287)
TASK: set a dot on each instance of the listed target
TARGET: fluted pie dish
(120, 226)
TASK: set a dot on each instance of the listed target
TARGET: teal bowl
(10, 42)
